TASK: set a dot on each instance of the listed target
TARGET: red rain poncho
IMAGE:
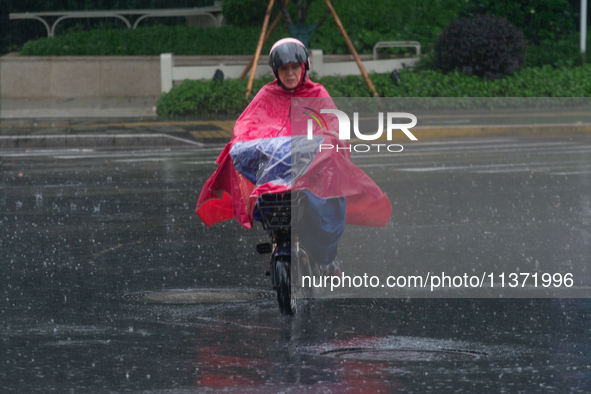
(227, 193)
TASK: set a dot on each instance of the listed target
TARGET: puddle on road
(198, 296)
(369, 354)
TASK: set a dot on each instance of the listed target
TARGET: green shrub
(562, 52)
(485, 45)
(537, 19)
(198, 97)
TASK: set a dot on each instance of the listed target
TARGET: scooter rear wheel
(287, 304)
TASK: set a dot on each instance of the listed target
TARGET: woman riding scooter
(249, 166)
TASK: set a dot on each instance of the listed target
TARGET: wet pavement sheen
(84, 233)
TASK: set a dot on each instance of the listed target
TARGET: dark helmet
(285, 51)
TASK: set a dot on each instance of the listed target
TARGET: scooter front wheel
(287, 304)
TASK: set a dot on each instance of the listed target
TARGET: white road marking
(587, 172)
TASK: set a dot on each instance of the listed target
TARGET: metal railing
(214, 12)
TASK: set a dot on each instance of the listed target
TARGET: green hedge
(210, 97)
(420, 20)
(18, 32)
(186, 40)
(384, 20)
(366, 23)
(150, 41)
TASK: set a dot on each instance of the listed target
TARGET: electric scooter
(289, 261)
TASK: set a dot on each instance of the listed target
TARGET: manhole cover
(197, 296)
(372, 354)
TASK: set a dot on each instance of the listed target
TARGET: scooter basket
(275, 210)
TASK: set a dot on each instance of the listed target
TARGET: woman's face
(290, 75)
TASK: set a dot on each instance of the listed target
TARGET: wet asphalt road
(84, 233)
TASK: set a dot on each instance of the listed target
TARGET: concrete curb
(92, 141)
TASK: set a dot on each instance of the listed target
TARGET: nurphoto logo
(345, 129)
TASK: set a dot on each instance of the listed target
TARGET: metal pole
(583, 30)
(267, 36)
(257, 54)
(352, 48)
